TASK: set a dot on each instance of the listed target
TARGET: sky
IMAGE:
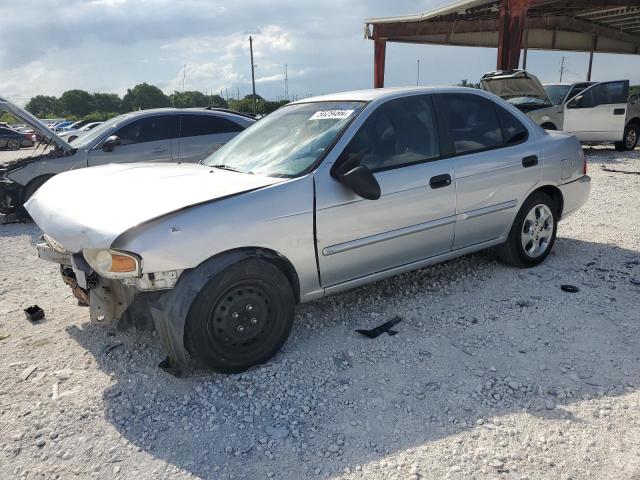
(47, 47)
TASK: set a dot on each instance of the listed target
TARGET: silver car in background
(156, 135)
(321, 196)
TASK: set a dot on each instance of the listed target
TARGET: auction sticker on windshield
(326, 114)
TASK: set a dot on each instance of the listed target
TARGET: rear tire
(241, 317)
(549, 126)
(533, 232)
(631, 136)
(13, 145)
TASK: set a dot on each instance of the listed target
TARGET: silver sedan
(323, 195)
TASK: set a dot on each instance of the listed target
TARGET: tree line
(82, 105)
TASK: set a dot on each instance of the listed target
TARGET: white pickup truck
(596, 113)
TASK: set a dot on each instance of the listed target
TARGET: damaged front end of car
(109, 282)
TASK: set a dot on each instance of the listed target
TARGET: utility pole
(226, 90)
(561, 68)
(418, 75)
(253, 76)
(184, 74)
(286, 82)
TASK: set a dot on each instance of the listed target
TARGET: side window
(193, 125)
(4, 131)
(472, 121)
(610, 92)
(513, 131)
(400, 132)
(149, 129)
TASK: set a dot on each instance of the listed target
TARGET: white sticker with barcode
(330, 114)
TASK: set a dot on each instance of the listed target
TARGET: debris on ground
(34, 313)
(26, 373)
(380, 329)
(569, 288)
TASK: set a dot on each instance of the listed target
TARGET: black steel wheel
(241, 317)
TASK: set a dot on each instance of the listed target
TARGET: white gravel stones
(495, 373)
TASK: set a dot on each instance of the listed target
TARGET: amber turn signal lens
(122, 263)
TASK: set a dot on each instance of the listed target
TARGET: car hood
(90, 208)
(515, 86)
(33, 122)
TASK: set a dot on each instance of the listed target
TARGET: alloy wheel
(537, 231)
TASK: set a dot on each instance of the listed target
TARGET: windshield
(557, 93)
(288, 141)
(85, 139)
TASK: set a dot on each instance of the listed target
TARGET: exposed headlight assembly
(113, 263)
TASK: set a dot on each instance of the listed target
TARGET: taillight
(33, 137)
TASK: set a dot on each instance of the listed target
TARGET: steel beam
(379, 54)
(513, 15)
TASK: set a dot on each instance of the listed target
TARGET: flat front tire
(241, 317)
(533, 232)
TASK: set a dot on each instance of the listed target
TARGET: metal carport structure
(606, 26)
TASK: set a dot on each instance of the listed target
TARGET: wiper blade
(227, 167)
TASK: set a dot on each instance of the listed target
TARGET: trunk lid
(90, 208)
(34, 123)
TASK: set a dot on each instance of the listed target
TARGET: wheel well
(556, 195)
(273, 257)
(549, 126)
(39, 181)
(634, 121)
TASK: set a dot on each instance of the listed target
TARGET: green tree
(189, 99)
(144, 96)
(466, 83)
(76, 102)
(43, 106)
(107, 102)
(217, 101)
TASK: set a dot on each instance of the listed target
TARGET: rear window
(193, 125)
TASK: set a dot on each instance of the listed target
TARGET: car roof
(172, 110)
(380, 93)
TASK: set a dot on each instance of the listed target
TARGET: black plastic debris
(379, 330)
(34, 313)
(569, 288)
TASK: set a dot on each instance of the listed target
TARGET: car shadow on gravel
(479, 342)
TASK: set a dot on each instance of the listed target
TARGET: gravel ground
(495, 373)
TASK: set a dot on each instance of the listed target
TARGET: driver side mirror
(110, 143)
(359, 180)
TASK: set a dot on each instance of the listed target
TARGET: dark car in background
(11, 139)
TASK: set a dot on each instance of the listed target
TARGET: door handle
(618, 111)
(440, 181)
(530, 161)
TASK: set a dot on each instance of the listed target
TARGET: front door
(414, 217)
(146, 139)
(598, 114)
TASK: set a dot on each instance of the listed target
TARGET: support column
(513, 15)
(594, 46)
(379, 53)
(526, 48)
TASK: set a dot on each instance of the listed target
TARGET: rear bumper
(575, 194)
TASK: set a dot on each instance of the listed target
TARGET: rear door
(495, 165)
(598, 113)
(146, 139)
(202, 134)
